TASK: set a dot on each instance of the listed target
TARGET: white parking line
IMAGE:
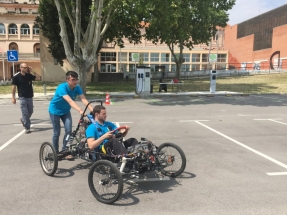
(277, 173)
(267, 119)
(272, 120)
(22, 132)
(34, 124)
(12, 139)
(245, 146)
(193, 120)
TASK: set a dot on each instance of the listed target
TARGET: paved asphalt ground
(235, 146)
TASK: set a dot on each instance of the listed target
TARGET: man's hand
(108, 135)
(13, 100)
(125, 131)
(81, 112)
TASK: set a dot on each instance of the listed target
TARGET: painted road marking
(33, 124)
(272, 120)
(12, 139)
(22, 132)
(245, 146)
(194, 120)
(277, 173)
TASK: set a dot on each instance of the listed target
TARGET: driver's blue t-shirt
(58, 105)
(96, 130)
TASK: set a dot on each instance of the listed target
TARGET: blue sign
(12, 56)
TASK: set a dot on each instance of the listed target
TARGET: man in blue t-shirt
(60, 106)
(100, 134)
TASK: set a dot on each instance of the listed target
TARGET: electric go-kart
(110, 171)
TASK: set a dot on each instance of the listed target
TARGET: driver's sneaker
(27, 131)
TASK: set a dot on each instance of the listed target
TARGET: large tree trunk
(96, 72)
(82, 71)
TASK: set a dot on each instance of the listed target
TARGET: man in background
(23, 82)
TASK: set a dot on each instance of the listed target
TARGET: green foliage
(176, 22)
(125, 23)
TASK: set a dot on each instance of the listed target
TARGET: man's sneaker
(22, 122)
(27, 131)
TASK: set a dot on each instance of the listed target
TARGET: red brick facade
(246, 42)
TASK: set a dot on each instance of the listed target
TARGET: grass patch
(267, 83)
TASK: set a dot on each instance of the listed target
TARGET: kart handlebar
(119, 128)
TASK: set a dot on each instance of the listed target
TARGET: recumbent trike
(110, 171)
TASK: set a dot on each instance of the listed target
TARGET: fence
(204, 73)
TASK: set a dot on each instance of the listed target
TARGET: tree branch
(77, 32)
(71, 17)
(93, 19)
(108, 21)
(64, 34)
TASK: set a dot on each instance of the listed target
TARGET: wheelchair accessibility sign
(12, 56)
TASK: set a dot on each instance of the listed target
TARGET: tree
(77, 29)
(185, 23)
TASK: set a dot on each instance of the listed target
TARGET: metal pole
(44, 86)
(120, 59)
(13, 69)
(4, 69)
(210, 46)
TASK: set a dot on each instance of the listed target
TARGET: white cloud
(247, 9)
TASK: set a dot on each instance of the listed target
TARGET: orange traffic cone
(107, 98)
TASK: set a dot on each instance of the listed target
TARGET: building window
(221, 66)
(153, 66)
(145, 56)
(185, 67)
(221, 58)
(13, 46)
(2, 28)
(25, 29)
(106, 67)
(154, 57)
(166, 67)
(140, 55)
(173, 67)
(108, 56)
(172, 58)
(123, 56)
(195, 57)
(36, 49)
(204, 58)
(164, 57)
(132, 68)
(13, 29)
(36, 29)
(195, 67)
(186, 57)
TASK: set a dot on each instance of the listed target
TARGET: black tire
(48, 159)
(105, 181)
(172, 159)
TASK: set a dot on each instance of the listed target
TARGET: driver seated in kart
(101, 134)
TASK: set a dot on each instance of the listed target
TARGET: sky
(247, 9)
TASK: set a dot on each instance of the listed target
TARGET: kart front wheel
(48, 159)
(172, 159)
(105, 181)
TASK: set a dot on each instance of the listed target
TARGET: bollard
(44, 86)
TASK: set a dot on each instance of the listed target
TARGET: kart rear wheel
(172, 159)
(105, 181)
(48, 158)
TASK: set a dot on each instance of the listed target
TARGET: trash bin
(151, 88)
